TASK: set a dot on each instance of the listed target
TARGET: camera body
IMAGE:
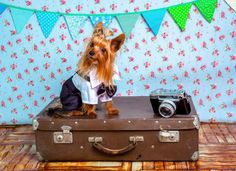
(167, 102)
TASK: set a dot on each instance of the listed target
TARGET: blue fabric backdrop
(201, 59)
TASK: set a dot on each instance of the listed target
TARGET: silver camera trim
(168, 104)
(179, 94)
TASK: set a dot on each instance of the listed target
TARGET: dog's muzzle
(91, 54)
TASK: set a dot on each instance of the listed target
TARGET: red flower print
(68, 10)
(230, 114)
(3, 48)
(45, 8)
(14, 121)
(129, 92)
(131, 82)
(97, 1)
(164, 58)
(180, 86)
(28, 3)
(218, 95)
(3, 104)
(113, 6)
(230, 81)
(163, 81)
(195, 92)
(136, 67)
(180, 64)
(31, 115)
(14, 88)
(146, 86)
(152, 74)
(63, 2)
(30, 93)
(213, 86)
(160, 70)
(212, 110)
(200, 102)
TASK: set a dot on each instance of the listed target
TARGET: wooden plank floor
(217, 152)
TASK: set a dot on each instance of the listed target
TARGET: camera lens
(167, 108)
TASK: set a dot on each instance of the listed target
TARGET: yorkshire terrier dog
(93, 80)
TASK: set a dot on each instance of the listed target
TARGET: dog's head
(100, 53)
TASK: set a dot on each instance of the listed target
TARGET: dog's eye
(103, 50)
(91, 45)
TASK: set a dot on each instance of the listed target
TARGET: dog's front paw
(77, 113)
(113, 111)
(92, 114)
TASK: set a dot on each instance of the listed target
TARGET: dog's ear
(117, 42)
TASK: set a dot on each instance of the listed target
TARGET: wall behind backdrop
(201, 59)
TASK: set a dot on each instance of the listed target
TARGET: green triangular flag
(127, 22)
(207, 8)
(180, 14)
(20, 18)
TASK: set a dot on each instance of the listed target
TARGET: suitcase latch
(64, 137)
(169, 136)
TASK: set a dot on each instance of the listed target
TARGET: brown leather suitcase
(136, 134)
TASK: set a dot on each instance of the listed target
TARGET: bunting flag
(2, 8)
(74, 24)
(47, 22)
(180, 14)
(207, 8)
(232, 4)
(154, 19)
(127, 22)
(20, 18)
(105, 19)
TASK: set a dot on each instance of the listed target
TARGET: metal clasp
(63, 137)
(95, 139)
(136, 139)
(168, 136)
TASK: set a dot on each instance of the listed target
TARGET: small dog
(94, 77)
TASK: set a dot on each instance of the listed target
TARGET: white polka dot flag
(47, 21)
(74, 24)
(105, 19)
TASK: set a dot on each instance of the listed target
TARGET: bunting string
(153, 18)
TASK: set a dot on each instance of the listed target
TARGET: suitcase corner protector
(196, 122)
(195, 156)
(39, 156)
(35, 123)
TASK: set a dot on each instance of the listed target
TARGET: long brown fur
(102, 60)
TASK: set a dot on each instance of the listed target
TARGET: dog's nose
(91, 53)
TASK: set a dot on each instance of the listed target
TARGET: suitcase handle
(97, 143)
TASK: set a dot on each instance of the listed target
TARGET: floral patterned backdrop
(201, 59)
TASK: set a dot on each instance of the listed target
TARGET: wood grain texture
(217, 146)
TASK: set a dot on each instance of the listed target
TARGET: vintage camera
(167, 102)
